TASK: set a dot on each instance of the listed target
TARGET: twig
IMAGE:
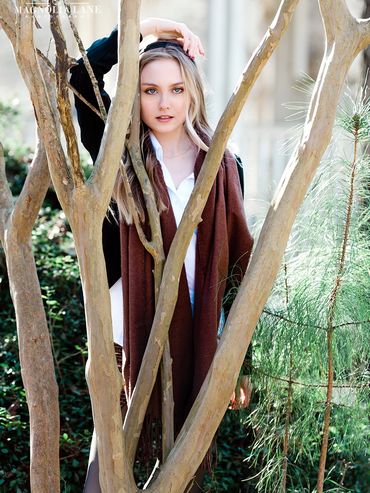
(84, 100)
(288, 411)
(102, 111)
(293, 322)
(304, 384)
(299, 324)
(6, 197)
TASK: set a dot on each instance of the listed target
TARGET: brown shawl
(223, 247)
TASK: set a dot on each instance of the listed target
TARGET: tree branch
(28, 204)
(191, 218)
(38, 178)
(6, 197)
(102, 113)
(312, 385)
(107, 162)
(364, 33)
(334, 13)
(8, 19)
(84, 100)
(148, 245)
(28, 64)
(62, 65)
(159, 258)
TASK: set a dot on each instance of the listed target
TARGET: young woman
(175, 137)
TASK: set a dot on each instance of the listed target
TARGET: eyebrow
(155, 85)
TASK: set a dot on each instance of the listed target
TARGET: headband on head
(164, 44)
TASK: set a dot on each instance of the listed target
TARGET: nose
(164, 103)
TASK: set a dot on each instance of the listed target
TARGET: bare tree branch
(6, 197)
(33, 193)
(84, 100)
(103, 112)
(28, 64)
(8, 19)
(331, 11)
(37, 182)
(106, 166)
(63, 63)
(191, 218)
(148, 245)
(364, 33)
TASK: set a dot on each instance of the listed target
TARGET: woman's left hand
(242, 394)
(166, 28)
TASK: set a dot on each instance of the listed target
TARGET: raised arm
(102, 55)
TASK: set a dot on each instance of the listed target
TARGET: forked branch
(191, 218)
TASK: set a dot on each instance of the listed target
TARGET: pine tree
(311, 346)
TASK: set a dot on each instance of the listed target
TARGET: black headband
(165, 44)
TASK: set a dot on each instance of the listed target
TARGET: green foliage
(290, 343)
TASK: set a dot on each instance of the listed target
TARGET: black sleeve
(102, 55)
(239, 163)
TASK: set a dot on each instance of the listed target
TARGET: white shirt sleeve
(116, 303)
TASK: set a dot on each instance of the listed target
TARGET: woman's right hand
(165, 28)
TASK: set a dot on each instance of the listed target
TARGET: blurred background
(230, 31)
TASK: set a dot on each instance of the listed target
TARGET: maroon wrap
(224, 245)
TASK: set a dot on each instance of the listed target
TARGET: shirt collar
(157, 147)
(158, 150)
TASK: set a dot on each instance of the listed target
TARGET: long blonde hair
(196, 127)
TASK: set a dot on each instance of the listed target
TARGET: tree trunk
(35, 353)
(37, 364)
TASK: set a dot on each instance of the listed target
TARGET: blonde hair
(195, 125)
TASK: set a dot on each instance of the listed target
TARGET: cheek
(145, 109)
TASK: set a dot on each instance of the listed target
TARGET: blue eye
(151, 91)
(178, 90)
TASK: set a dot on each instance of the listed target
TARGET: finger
(186, 36)
(200, 48)
(196, 47)
(193, 49)
(246, 388)
(232, 401)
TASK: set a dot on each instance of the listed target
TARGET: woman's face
(163, 100)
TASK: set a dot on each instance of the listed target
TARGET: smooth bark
(37, 367)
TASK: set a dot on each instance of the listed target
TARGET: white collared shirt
(179, 198)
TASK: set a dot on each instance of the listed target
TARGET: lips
(164, 118)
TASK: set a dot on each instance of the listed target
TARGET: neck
(174, 144)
